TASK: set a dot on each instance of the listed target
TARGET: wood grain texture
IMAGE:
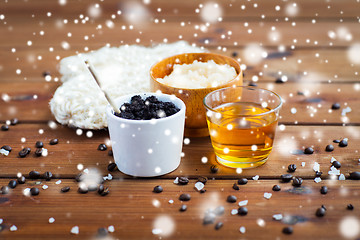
(63, 158)
(133, 209)
(311, 108)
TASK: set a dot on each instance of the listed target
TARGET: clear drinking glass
(242, 123)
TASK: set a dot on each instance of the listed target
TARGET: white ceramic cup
(147, 148)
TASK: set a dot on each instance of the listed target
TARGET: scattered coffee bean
(231, 199)
(12, 184)
(318, 174)
(4, 127)
(83, 190)
(21, 180)
(320, 212)
(34, 174)
(234, 54)
(218, 225)
(288, 230)
(219, 210)
(105, 192)
(343, 143)
(102, 147)
(323, 190)
(252, 84)
(7, 148)
(279, 80)
(209, 218)
(309, 150)
(329, 148)
(48, 176)
(183, 180)
(102, 232)
(235, 187)
(101, 188)
(286, 177)
(34, 191)
(297, 181)
(336, 141)
(65, 189)
(54, 141)
(203, 190)
(24, 152)
(78, 177)
(335, 106)
(46, 73)
(242, 181)
(111, 167)
(110, 153)
(39, 144)
(214, 169)
(14, 121)
(185, 197)
(5, 190)
(292, 167)
(183, 208)
(336, 164)
(355, 175)
(276, 188)
(242, 211)
(202, 179)
(38, 152)
(350, 207)
(158, 189)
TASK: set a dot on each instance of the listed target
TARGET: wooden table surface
(318, 38)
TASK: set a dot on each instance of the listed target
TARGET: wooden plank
(299, 65)
(64, 158)
(135, 211)
(306, 34)
(306, 8)
(313, 107)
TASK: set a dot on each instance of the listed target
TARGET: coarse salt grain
(316, 167)
(4, 152)
(334, 171)
(332, 160)
(255, 177)
(267, 195)
(51, 220)
(234, 211)
(199, 186)
(342, 177)
(303, 164)
(111, 228)
(277, 217)
(176, 181)
(44, 152)
(58, 182)
(45, 187)
(317, 180)
(156, 231)
(243, 203)
(171, 201)
(13, 228)
(75, 230)
(242, 229)
(1, 220)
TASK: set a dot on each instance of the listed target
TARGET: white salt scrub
(199, 75)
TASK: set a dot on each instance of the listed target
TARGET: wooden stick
(108, 98)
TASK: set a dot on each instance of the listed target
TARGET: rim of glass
(245, 87)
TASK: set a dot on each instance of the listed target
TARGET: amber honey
(242, 133)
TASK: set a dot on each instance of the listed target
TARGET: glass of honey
(242, 123)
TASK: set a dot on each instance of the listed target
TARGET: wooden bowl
(195, 122)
